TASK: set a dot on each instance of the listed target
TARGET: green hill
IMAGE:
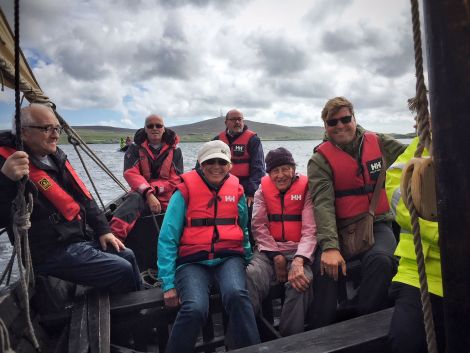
(206, 130)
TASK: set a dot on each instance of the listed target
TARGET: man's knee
(380, 263)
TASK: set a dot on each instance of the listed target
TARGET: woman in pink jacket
(285, 233)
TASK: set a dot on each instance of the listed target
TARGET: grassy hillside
(206, 130)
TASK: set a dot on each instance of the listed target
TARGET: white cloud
(278, 61)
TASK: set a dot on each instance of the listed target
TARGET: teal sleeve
(243, 221)
(168, 241)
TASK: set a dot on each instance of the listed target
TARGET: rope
(22, 210)
(150, 279)
(423, 284)
(21, 224)
(88, 174)
(420, 104)
(74, 138)
(5, 338)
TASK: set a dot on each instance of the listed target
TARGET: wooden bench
(364, 334)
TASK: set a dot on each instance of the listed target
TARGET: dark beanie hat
(277, 157)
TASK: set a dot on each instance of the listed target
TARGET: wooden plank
(363, 334)
(149, 298)
(78, 336)
(99, 321)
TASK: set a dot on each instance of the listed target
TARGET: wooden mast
(447, 28)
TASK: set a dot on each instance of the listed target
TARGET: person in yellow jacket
(407, 327)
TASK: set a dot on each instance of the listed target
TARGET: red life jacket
(285, 210)
(353, 187)
(239, 151)
(62, 201)
(167, 178)
(211, 226)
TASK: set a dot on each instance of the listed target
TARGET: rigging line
(23, 209)
(89, 176)
(82, 144)
(105, 169)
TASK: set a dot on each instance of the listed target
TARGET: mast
(447, 28)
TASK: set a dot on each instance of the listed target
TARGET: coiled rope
(420, 105)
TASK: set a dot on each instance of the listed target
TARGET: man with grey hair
(63, 207)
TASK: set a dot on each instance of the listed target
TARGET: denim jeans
(193, 283)
(86, 264)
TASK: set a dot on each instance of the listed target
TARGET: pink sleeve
(308, 240)
(259, 224)
(136, 180)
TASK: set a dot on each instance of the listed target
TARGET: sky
(114, 62)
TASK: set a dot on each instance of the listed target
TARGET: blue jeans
(86, 264)
(193, 283)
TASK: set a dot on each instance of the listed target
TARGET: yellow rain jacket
(408, 269)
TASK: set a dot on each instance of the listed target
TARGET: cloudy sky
(113, 62)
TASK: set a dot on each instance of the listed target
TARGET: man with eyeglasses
(247, 153)
(342, 174)
(63, 207)
(152, 165)
(284, 230)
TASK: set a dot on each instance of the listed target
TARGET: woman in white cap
(204, 241)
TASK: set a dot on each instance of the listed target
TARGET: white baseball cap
(214, 149)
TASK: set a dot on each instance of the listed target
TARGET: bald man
(247, 153)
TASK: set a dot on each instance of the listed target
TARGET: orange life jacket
(239, 151)
(167, 177)
(285, 209)
(62, 201)
(211, 227)
(354, 181)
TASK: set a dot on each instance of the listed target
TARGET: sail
(28, 84)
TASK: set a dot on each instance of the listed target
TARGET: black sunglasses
(156, 126)
(219, 161)
(345, 120)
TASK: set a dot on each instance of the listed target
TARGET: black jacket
(49, 231)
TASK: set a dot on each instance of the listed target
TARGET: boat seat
(364, 334)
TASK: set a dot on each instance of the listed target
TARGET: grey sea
(113, 159)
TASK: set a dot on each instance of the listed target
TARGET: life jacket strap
(284, 217)
(366, 189)
(203, 222)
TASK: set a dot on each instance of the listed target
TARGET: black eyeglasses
(236, 120)
(154, 126)
(48, 129)
(345, 120)
(213, 161)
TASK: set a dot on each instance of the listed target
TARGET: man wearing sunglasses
(62, 210)
(152, 166)
(342, 174)
(247, 153)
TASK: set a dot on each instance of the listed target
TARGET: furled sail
(28, 84)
